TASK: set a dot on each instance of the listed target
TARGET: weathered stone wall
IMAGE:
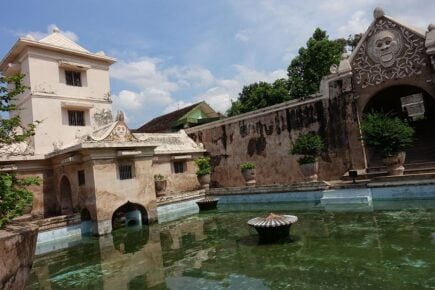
(264, 137)
(17, 249)
(177, 182)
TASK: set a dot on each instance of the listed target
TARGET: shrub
(247, 165)
(158, 177)
(14, 195)
(386, 135)
(309, 145)
(203, 164)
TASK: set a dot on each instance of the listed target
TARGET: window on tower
(73, 78)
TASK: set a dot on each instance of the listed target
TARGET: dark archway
(66, 204)
(129, 214)
(85, 215)
(415, 106)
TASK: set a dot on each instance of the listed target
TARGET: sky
(173, 53)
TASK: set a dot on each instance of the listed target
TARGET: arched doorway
(66, 204)
(415, 106)
(129, 214)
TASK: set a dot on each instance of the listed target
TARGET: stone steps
(355, 197)
(411, 169)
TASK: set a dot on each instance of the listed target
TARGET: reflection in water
(381, 249)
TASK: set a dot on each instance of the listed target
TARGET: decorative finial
(378, 12)
(56, 29)
(120, 116)
(431, 27)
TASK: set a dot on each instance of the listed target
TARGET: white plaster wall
(47, 77)
(48, 90)
(54, 127)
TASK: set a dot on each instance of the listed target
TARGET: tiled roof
(163, 123)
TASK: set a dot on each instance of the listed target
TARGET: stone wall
(177, 182)
(17, 249)
(264, 137)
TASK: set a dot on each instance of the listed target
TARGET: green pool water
(383, 249)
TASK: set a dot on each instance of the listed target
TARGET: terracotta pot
(309, 171)
(160, 186)
(395, 163)
(249, 176)
(204, 181)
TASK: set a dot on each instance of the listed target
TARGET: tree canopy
(304, 75)
(260, 95)
(307, 69)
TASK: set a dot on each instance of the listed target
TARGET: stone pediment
(389, 50)
(114, 132)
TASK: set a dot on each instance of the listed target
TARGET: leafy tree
(352, 41)
(259, 95)
(313, 62)
(304, 74)
(14, 195)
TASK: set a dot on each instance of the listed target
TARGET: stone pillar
(102, 227)
(152, 213)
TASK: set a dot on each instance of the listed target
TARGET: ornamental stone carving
(390, 51)
(385, 46)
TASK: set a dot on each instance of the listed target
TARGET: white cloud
(144, 73)
(220, 96)
(243, 35)
(358, 23)
(189, 76)
(161, 89)
(176, 106)
(38, 35)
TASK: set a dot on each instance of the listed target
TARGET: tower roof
(58, 39)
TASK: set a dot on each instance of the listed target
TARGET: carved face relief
(120, 131)
(384, 47)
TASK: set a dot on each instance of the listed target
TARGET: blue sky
(172, 53)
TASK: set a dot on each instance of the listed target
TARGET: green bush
(158, 177)
(386, 135)
(309, 145)
(14, 196)
(203, 164)
(247, 165)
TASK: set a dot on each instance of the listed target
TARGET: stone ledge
(58, 222)
(183, 196)
(300, 187)
(17, 249)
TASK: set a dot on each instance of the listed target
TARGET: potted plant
(159, 184)
(309, 145)
(388, 136)
(248, 172)
(204, 171)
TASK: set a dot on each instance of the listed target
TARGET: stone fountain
(207, 203)
(273, 227)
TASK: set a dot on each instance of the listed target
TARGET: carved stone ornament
(120, 133)
(385, 46)
(390, 51)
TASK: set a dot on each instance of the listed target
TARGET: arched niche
(129, 214)
(66, 203)
(413, 105)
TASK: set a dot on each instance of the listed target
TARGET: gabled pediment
(388, 50)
